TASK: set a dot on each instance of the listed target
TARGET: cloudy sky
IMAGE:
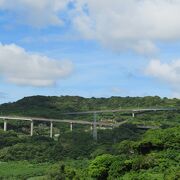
(89, 48)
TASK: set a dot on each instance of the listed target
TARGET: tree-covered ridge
(123, 153)
(53, 106)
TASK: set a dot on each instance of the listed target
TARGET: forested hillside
(124, 153)
(48, 106)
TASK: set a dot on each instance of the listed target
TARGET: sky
(89, 48)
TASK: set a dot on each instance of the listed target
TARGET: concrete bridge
(131, 111)
(93, 124)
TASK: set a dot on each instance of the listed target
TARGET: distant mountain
(53, 106)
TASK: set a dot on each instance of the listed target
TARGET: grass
(22, 170)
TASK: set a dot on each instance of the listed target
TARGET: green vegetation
(21, 170)
(124, 153)
(47, 106)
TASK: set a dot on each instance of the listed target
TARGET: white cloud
(117, 24)
(129, 24)
(38, 13)
(166, 72)
(22, 68)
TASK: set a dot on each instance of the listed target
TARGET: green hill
(52, 106)
(125, 152)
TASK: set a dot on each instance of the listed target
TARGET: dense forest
(126, 152)
(48, 106)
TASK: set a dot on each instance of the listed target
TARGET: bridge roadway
(71, 122)
(123, 110)
(54, 120)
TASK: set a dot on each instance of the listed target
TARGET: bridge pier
(91, 128)
(133, 114)
(95, 127)
(51, 129)
(32, 127)
(5, 125)
(71, 126)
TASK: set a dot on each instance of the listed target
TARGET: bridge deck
(124, 110)
(87, 112)
(58, 120)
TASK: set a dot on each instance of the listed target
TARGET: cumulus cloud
(22, 68)
(38, 13)
(117, 24)
(169, 72)
(166, 72)
(129, 24)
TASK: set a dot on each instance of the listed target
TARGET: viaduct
(93, 124)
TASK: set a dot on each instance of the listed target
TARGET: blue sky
(85, 48)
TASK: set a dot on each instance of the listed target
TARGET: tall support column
(5, 125)
(133, 114)
(32, 127)
(71, 126)
(95, 127)
(51, 129)
(91, 128)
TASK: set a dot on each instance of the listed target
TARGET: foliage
(21, 170)
(124, 153)
(99, 167)
(52, 106)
